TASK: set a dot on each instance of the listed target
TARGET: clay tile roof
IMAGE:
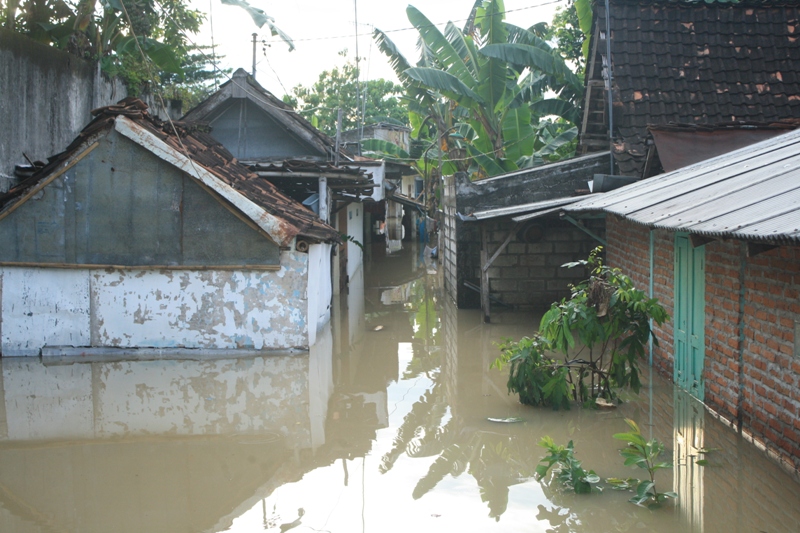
(192, 140)
(698, 62)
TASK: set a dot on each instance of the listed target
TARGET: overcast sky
(322, 28)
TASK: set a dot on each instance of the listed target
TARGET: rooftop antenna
(610, 88)
(359, 116)
(255, 41)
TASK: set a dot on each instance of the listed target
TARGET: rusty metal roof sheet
(187, 146)
(752, 194)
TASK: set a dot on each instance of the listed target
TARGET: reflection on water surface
(382, 427)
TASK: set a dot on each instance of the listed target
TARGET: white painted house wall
(137, 308)
(320, 289)
(355, 229)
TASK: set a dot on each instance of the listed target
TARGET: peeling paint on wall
(44, 307)
(134, 308)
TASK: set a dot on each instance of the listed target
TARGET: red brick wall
(771, 406)
(629, 250)
(721, 371)
(770, 377)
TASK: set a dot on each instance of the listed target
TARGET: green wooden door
(689, 319)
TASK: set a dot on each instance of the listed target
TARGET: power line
(411, 28)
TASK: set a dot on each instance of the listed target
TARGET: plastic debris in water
(377, 328)
(510, 420)
(602, 402)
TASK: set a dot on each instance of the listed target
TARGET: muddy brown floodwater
(383, 427)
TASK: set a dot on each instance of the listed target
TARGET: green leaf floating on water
(510, 420)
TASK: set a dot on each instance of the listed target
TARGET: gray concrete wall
(122, 205)
(252, 135)
(535, 280)
(530, 275)
(46, 96)
(555, 180)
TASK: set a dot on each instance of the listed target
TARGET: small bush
(599, 335)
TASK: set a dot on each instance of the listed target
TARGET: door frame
(689, 316)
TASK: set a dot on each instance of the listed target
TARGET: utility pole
(338, 137)
(255, 41)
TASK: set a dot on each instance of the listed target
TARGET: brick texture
(530, 275)
(763, 392)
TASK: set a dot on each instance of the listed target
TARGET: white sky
(322, 28)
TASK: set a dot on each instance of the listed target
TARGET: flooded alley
(384, 426)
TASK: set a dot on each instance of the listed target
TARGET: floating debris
(377, 328)
(603, 403)
(510, 420)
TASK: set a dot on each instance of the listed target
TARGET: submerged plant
(569, 471)
(587, 345)
(643, 454)
(537, 378)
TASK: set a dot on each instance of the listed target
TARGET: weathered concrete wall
(122, 205)
(46, 98)
(461, 245)
(460, 249)
(530, 275)
(158, 309)
(355, 229)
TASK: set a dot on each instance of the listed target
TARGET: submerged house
(718, 243)
(684, 81)
(279, 145)
(149, 235)
(503, 242)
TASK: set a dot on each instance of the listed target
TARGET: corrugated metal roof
(524, 208)
(752, 193)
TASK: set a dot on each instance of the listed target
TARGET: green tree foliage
(489, 98)
(566, 32)
(340, 87)
(587, 345)
(144, 42)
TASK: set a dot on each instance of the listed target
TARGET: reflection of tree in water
(421, 432)
(495, 460)
(425, 319)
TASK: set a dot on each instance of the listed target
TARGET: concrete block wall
(461, 250)
(530, 276)
(47, 96)
(764, 391)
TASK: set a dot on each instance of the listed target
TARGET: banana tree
(488, 82)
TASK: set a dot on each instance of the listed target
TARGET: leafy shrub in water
(599, 335)
(644, 454)
(569, 471)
